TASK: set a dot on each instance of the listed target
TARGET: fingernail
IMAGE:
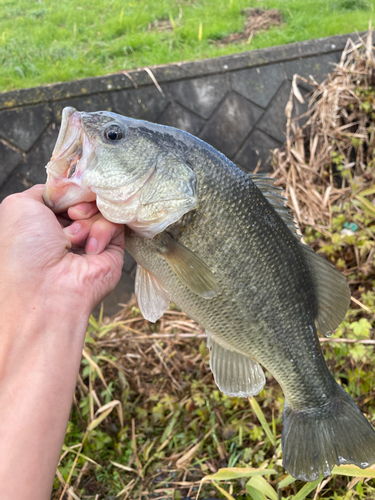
(92, 245)
(74, 228)
(84, 209)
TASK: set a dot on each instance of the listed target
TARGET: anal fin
(234, 373)
(152, 298)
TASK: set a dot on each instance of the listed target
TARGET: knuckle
(10, 200)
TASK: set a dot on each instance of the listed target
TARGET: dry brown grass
(336, 144)
(256, 20)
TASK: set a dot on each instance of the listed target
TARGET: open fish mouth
(68, 181)
(68, 148)
(72, 153)
(74, 162)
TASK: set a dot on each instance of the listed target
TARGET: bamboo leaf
(366, 204)
(124, 467)
(303, 492)
(352, 470)
(296, 91)
(93, 323)
(189, 454)
(70, 450)
(101, 417)
(260, 484)
(367, 192)
(258, 412)
(254, 493)
(111, 405)
(237, 472)
(286, 481)
(368, 211)
(168, 430)
(225, 493)
(95, 367)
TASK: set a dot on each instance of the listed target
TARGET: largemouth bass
(222, 246)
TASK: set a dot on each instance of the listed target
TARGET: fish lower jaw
(129, 212)
(59, 196)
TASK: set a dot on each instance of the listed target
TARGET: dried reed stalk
(339, 134)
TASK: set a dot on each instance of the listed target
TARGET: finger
(102, 233)
(105, 268)
(108, 264)
(78, 231)
(83, 211)
(98, 232)
(64, 221)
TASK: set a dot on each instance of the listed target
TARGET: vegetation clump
(327, 166)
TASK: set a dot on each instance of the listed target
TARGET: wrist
(40, 353)
(41, 330)
(44, 306)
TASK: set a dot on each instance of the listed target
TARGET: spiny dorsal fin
(272, 193)
(332, 291)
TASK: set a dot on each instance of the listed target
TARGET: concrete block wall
(235, 103)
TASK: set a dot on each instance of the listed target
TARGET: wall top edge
(172, 72)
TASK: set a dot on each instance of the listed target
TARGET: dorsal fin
(272, 193)
(330, 285)
(332, 292)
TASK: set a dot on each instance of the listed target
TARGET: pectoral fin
(189, 268)
(152, 298)
(234, 373)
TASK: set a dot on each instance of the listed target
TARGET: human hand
(52, 274)
(36, 257)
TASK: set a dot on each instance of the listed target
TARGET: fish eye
(114, 133)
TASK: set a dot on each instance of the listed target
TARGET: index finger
(83, 210)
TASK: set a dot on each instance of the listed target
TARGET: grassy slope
(45, 41)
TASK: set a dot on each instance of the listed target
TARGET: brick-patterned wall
(235, 103)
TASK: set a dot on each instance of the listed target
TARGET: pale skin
(47, 292)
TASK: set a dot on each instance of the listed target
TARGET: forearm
(39, 361)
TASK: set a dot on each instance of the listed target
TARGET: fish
(221, 244)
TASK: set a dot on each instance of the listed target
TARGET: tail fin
(315, 440)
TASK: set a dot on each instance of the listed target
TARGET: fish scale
(241, 265)
(222, 246)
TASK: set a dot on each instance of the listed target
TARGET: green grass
(46, 41)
